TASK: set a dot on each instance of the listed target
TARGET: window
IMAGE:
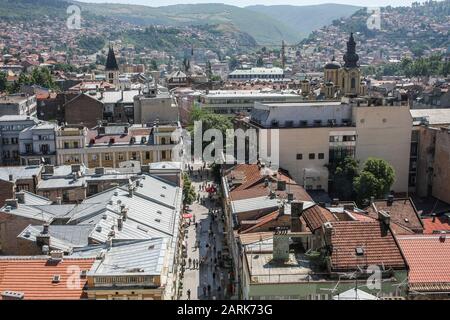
(147, 155)
(28, 148)
(321, 156)
(163, 154)
(107, 157)
(75, 144)
(66, 145)
(46, 194)
(120, 156)
(299, 156)
(353, 83)
(312, 156)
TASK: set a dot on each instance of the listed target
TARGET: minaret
(112, 69)
(350, 74)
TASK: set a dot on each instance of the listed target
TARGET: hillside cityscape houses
(97, 126)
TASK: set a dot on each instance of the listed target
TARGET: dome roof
(332, 65)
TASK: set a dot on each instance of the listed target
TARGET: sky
(243, 3)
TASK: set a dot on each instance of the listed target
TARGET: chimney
(281, 210)
(390, 200)
(384, 217)
(12, 295)
(58, 200)
(119, 224)
(145, 168)
(328, 232)
(335, 202)
(20, 196)
(100, 171)
(75, 168)
(49, 169)
(281, 185)
(130, 190)
(56, 255)
(124, 212)
(11, 203)
(372, 200)
(11, 178)
(443, 236)
(296, 213)
(43, 239)
(434, 217)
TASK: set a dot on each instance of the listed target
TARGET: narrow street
(209, 235)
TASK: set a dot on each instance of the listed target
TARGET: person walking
(204, 291)
(189, 262)
(189, 294)
(209, 290)
(214, 276)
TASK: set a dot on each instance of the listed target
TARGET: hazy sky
(243, 3)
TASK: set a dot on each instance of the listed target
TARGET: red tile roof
(261, 222)
(428, 258)
(316, 216)
(33, 277)
(252, 184)
(439, 224)
(379, 247)
(402, 212)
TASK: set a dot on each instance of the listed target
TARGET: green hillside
(264, 29)
(306, 19)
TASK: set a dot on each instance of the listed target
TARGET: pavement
(209, 272)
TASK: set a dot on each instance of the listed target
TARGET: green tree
(153, 65)
(375, 180)
(188, 190)
(3, 82)
(233, 63)
(343, 175)
(260, 62)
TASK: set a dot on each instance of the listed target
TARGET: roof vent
(98, 229)
(56, 255)
(12, 295)
(56, 278)
(359, 251)
(158, 220)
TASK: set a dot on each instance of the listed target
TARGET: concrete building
(18, 105)
(142, 217)
(15, 179)
(430, 153)
(37, 144)
(10, 128)
(254, 74)
(154, 105)
(114, 145)
(242, 101)
(315, 134)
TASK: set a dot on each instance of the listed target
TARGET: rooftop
(428, 258)
(377, 244)
(33, 276)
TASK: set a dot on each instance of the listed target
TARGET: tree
(375, 180)
(260, 62)
(188, 190)
(345, 171)
(3, 81)
(153, 65)
(233, 63)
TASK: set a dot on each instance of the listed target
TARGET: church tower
(350, 74)
(112, 69)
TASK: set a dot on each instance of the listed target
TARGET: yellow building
(115, 145)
